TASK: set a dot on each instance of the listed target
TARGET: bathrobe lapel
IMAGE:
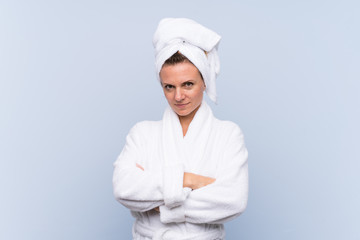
(189, 149)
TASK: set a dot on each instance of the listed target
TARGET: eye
(168, 87)
(188, 84)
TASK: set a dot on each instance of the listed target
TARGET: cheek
(167, 95)
(199, 93)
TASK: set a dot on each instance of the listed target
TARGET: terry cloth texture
(211, 147)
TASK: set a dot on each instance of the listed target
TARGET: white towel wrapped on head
(192, 40)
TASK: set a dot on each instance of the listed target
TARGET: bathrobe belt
(170, 234)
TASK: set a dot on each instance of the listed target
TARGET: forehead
(179, 72)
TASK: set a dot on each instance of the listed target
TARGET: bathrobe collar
(191, 148)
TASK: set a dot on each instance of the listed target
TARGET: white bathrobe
(211, 147)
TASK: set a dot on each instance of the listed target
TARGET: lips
(181, 105)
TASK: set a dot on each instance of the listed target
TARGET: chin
(182, 113)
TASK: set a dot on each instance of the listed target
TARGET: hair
(177, 58)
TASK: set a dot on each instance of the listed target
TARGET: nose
(179, 96)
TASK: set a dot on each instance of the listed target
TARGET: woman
(184, 176)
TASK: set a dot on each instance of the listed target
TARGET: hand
(195, 181)
(139, 166)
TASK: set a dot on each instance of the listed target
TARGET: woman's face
(183, 88)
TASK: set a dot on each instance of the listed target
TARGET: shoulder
(233, 140)
(146, 125)
(228, 128)
(145, 128)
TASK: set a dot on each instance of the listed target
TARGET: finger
(139, 166)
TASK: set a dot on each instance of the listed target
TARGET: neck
(186, 120)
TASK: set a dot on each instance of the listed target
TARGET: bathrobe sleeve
(136, 189)
(222, 200)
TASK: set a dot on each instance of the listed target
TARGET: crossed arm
(190, 180)
(211, 201)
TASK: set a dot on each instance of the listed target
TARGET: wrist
(188, 180)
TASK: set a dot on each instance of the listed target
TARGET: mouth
(181, 105)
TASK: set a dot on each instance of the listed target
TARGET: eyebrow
(187, 81)
(164, 84)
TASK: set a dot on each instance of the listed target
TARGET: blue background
(76, 75)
